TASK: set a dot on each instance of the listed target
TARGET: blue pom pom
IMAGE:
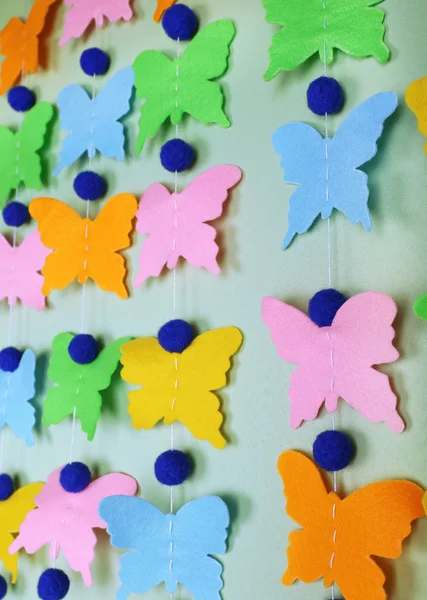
(176, 156)
(94, 61)
(325, 95)
(83, 348)
(21, 99)
(3, 587)
(16, 214)
(176, 335)
(9, 359)
(172, 467)
(75, 477)
(89, 185)
(324, 305)
(180, 22)
(53, 584)
(333, 450)
(6, 487)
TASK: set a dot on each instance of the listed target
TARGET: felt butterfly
(84, 248)
(168, 548)
(172, 88)
(161, 8)
(180, 386)
(65, 520)
(416, 99)
(355, 28)
(93, 124)
(83, 12)
(19, 44)
(327, 170)
(339, 537)
(78, 385)
(176, 223)
(337, 361)
(19, 158)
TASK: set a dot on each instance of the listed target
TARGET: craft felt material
(162, 6)
(416, 99)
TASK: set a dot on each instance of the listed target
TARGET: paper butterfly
(168, 548)
(355, 28)
(19, 158)
(94, 125)
(180, 386)
(416, 99)
(336, 361)
(20, 45)
(78, 385)
(172, 88)
(340, 536)
(327, 170)
(65, 520)
(162, 6)
(84, 248)
(79, 17)
(176, 223)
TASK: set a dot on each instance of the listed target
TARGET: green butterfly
(18, 151)
(311, 26)
(174, 87)
(78, 385)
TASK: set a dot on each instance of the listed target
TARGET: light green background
(392, 259)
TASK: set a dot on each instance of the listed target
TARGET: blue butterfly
(327, 169)
(170, 548)
(94, 125)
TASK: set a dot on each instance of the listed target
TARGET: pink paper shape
(83, 12)
(176, 223)
(19, 266)
(66, 520)
(336, 361)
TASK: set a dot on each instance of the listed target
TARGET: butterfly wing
(10, 179)
(416, 95)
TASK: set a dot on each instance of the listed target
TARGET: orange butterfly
(340, 536)
(20, 45)
(162, 6)
(84, 248)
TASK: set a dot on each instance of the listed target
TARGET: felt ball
(53, 584)
(16, 214)
(172, 467)
(3, 587)
(94, 61)
(176, 335)
(180, 22)
(325, 95)
(176, 156)
(6, 486)
(83, 348)
(75, 477)
(21, 98)
(324, 305)
(333, 450)
(89, 185)
(9, 359)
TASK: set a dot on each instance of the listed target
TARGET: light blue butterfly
(94, 125)
(16, 389)
(168, 548)
(327, 169)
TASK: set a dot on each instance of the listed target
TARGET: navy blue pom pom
(333, 450)
(6, 487)
(94, 61)
(3, 587)
(16, 214)
(180, 22)
(325, 95)
(324, 305)
(176, 335)
(9, 359)
(176, 156)
(83, 348)
(21, 99)
(172, 467)
(53, 585)
(75, 477)
(89, 185)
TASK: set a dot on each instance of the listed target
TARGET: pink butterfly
(19, 266)
(83, 12)
(66, 520)
(176, 223)
(336, 361)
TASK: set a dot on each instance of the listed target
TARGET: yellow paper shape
(416, 99)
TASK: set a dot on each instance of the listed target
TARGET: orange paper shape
(162, 6)
(20, 45)
(84, 248)
(340, 536)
